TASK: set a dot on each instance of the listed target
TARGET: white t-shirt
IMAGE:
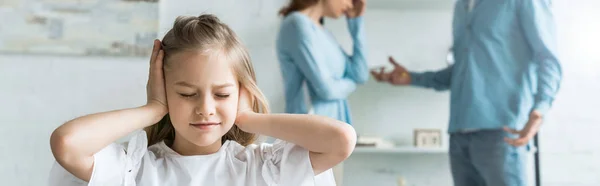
(134, 163)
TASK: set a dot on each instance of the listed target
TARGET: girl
(308, 53)
(200, 121)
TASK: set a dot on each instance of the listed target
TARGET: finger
(242, 92)
(375, 75)
(245, 100)
(382, 75)
(512, 131)
(393, 62)
(156, 77)
(516, 142)
(510, 141)
(386, 77)
(155, 48)
(153, 56)
(159, 60)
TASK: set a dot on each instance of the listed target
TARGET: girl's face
(336, 8)
(202, 96)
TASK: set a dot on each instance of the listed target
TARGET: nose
(205, 106)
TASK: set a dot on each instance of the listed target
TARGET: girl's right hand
(155, 89)
(244, 108)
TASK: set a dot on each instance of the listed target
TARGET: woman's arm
(75, 142)
(356, 67)
(297, 44)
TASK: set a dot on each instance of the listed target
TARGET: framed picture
(78, 27)
(428, 137)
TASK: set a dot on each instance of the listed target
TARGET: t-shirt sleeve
(116, 164)
(286, 163)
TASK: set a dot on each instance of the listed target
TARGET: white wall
(41, 92)
(569, 138)
(38, 93)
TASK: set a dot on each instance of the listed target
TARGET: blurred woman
(309, 53)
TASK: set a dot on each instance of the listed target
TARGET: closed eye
(187, 95)
(222, 95)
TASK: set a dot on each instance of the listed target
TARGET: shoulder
(297, 23)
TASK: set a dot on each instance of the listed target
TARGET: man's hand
(399, 76)
(531, 128)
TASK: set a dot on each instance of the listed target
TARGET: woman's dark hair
(296, 5)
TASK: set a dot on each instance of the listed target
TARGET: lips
(205, 125)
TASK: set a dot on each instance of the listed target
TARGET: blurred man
(504, 79)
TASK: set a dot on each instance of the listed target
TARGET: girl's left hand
(244, 105)
(358, 9)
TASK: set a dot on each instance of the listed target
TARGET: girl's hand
(155, 89)
(358, 9)
(244, 107)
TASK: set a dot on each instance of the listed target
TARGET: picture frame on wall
(428, 138)
(79, 28)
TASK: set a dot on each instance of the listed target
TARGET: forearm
(357, 66)
(315, 133)
(537, 21)
(84, 136)
(549, 77)
(534, 122)
(438, 80)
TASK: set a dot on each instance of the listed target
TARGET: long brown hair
(207, 33)
(296, 5)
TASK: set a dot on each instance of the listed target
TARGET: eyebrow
(216, 86)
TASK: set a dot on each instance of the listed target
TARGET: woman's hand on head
(358, 9)
(155, 89)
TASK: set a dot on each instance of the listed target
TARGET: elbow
(58, 144)
(346, 140)
(61, 145)
(67, 156)
(327, 93)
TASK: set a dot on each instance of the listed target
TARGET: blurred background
(60, 59)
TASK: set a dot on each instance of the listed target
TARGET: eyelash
(192, 95)
(222, 95)
(187, 95)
